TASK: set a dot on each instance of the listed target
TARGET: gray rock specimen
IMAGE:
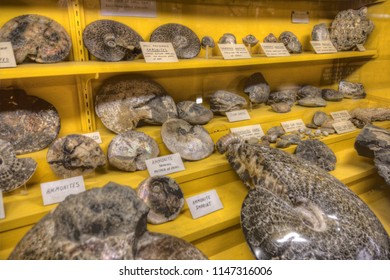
(164, 198)
(185, 42)
(332, 95)
(320, 32)
(257, 88)
(250, 40)
(28, 122)
(223, 101)
(37, 38)
(129, 150)
(317, 153)
(312, 102)
(350, 27)
(352, 90)
(100, 224)
(110, 40)
(362, 116)
(227, 38)
(291, 138)
(309, 91)
(74, 155)
(207, 41)
(320, 117)
(291, 42)
(270, 38)
(194, 113)
(14, 172)
(276, 130)
(281, 107)
(288, 96)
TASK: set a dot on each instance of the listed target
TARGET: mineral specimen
(227, 38)
(320, 32)
(257, 88)
(352, 90)
(362, 116)
(318, 153)
(227, 140)
(193, 113)
(309, 91)
(291, 42)
(250, 40)
(270, 38)
(319, 118)
(312, 102)
(223, 101)
(281, 107)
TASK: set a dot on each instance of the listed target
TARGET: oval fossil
(194, 113)
(223, 101)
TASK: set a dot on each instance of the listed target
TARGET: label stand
(24, 190)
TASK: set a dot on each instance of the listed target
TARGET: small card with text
(156, 52)
(249, 131)
(7, 57)
(341, 115)
(95, 136)
(238, 115)
(323, 46)
(344, 127)
(57, 191)
(274, 49)
(204, 203)
(290, 126)
(234, 51)
(165, 165)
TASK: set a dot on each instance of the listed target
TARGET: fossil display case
(72, 85)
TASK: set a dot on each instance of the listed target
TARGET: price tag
(132, 8)
(290, 126)
(323, 46)
(300, 17)
(2, 212)
(7, 57)
(164, 165)
(343, 127)
(238, 115)
(234, 51)
(360, 47)
(249, 131)
(156, 52)
(57, 191)
(274, 49)
(95, 136)
(203, 204)
(341, 115)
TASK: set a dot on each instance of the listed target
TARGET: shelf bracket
(77, 24)
(88, 121)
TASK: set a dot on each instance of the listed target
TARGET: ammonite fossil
(110, 40)
(320, 32)
(291, 42)
(192, 142)
(129, 150)
(207, 41)
(28, 122)
(223, 101)
(352, 90)
(363, 116)
(332, 95)
(257, 88)
(185, 42)
(227, 38)
(194, 113)
(14, 172)
(74, 155)
(163, 196)
(318, 153)
(36, 37)
(250, 40)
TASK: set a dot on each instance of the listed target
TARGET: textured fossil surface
(332, 95)
(309, 91)
(320, 32)
(317, 153)
(257, 88)
(288, 96)
(362, 116)
(223, 101)
(163, 196)
(185, 42)
(194, 113)
(14, 172)
(227, 38)
(250, 40)
(192, 142)
(352, 90)
(37, 38)
(110, 40)
(270, 38)
(295, 210)
(281, 107)
(28, 122)
(100, 223)
(74, 155)
(291, 42)
(312, 102)
(129, 150)
(207, 41)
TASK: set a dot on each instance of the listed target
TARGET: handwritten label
(7, 57)
(95, 136)
(132, 8)
(249, 131)
(341, 115)
(343, 127)
(203, 204)
(2, 212)
(290, 126)
(274, 49)
(300, 17)
(323, 46)
(164, 165)
(234, 51)
(57, 191)
(238, 115)
(360, 47)
(158, 52)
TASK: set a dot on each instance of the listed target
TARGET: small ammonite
(291, 42)
(250, 40)
(227, 38)
(207, 41)
(163, 196)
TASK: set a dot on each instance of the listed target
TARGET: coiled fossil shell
(270, 38)
(207, 41)
(250, 40)
(227, 38)
(223, 101)
(320, 32)
(318, 153)
(194, 113)
(291, 42)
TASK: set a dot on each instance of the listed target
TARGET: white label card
(164, 165)
(323, 46)
(360, 47)
(274, 49)
(300, 17)
(290, 126)
(238, 115)
(249, 131)
(95, 136)
(158, 52)
(341, 115)
(203, 204)
(7, 57)
(57, 191)
(344, 127)
(234, 51)
(2, 212)
(130, 8)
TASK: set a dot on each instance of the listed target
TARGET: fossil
(129, 150)
(270, 38)
(227, 38)
(223, 101)
(257, 88)
(185, 42)
(250, 40)
(320, 32)
(352, 90)
(320, 117)
(207, 41)
(228, 140)
(318, 153)
(362, 116)
(163, 196)
(74, 155)
(332, 95)
(110, 40)
(276, 130)
(192, 142)
(281, 107)
(291, 42)
(194, 113)
(37, 38)
(291, 138)
(14, 172)
(28, 122)
(288, 96)
(312, 102)
(309, 91)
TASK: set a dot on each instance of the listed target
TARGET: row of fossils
(43, 40)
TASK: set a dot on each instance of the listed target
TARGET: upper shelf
(32, 70)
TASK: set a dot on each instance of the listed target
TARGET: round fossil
(227, 38)
(28, 122)
(14, 172)
(36, 37)
(319, 118)
(309, 91)
(194, 113)
(223, 101)
(185, 42)
(123, 101)
(281, 107)
(225, 141)
(192, 142)
(288, 96)
(320, 32)
(74, 155)
(270, 38)
(110, 40)
(291, 42)
(332, 95)
(352, 90)
(257, 88)
(318, 153)
(250, 40)
(312, 102)
(163, 196)
(129, 150)
(207, 41)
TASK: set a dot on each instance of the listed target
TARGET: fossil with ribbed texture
(194, 113)
(318, 153)
(223, 101)
(362, 116)
(291, 42)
